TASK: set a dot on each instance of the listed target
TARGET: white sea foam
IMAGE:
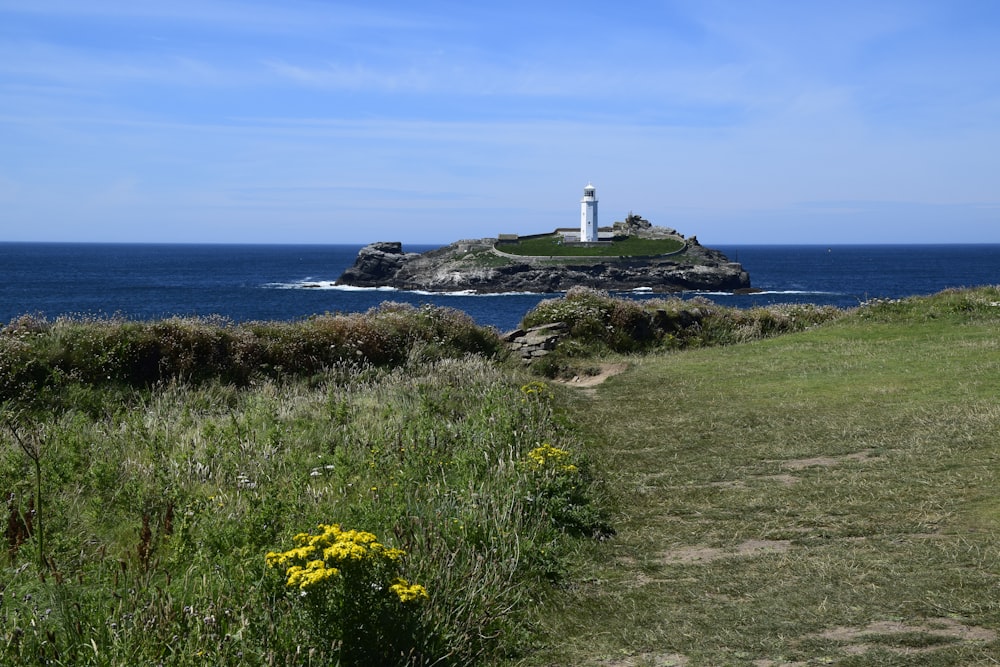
(326, 285)
(474, 293)
(312, 284)
(309, 283)
(352, 288)
(762, 292)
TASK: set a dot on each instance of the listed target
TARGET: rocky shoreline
(477, 266)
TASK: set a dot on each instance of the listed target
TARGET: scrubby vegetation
(149, 469)
(599, 323)
(36, 354)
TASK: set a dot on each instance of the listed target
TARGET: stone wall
(530, 344)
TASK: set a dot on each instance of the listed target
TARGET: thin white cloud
(49, 63)
(232, 15)
(356, 77)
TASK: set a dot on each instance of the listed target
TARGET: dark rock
(511, 336)
(377, 264)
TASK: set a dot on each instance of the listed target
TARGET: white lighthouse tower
(588, 215)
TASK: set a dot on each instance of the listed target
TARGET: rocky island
(631, 255)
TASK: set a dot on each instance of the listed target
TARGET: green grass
(828, 496)
(552, 246)
(485, 259)
(780, 502)
(160, 497)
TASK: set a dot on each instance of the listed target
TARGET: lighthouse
(588, 215)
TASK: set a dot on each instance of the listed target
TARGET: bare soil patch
(702, 555)
(942, 627)
(606, 371)
(898, 637)
(827, 461)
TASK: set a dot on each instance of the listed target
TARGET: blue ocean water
(288, 282)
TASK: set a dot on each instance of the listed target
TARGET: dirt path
(606, 371)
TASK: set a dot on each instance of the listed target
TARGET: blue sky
(297, 121)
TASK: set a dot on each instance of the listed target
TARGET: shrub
(599, 322)
(35, 354)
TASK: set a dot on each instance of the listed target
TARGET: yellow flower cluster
(319, 557)
(313, 573)
(408, 592)
(547, 456)
(536, 388)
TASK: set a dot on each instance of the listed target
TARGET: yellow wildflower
(393, 554)
(536, 388)
(408, 592)
(344, 550)
(318, 557)
(313, 573)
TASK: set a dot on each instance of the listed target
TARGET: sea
(291, 282)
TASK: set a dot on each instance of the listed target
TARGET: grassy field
(386, 489)
(552, 246)
(825, 497)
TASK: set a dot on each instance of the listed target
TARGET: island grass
(826, 497)
(485, 259)
(631, 246)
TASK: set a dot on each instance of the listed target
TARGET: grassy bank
(827, 497)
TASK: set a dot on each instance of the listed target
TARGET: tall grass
(170, 464)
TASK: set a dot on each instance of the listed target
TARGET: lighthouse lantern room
(588, 215)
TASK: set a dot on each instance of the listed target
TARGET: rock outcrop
(377, 264)
(477, 266)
